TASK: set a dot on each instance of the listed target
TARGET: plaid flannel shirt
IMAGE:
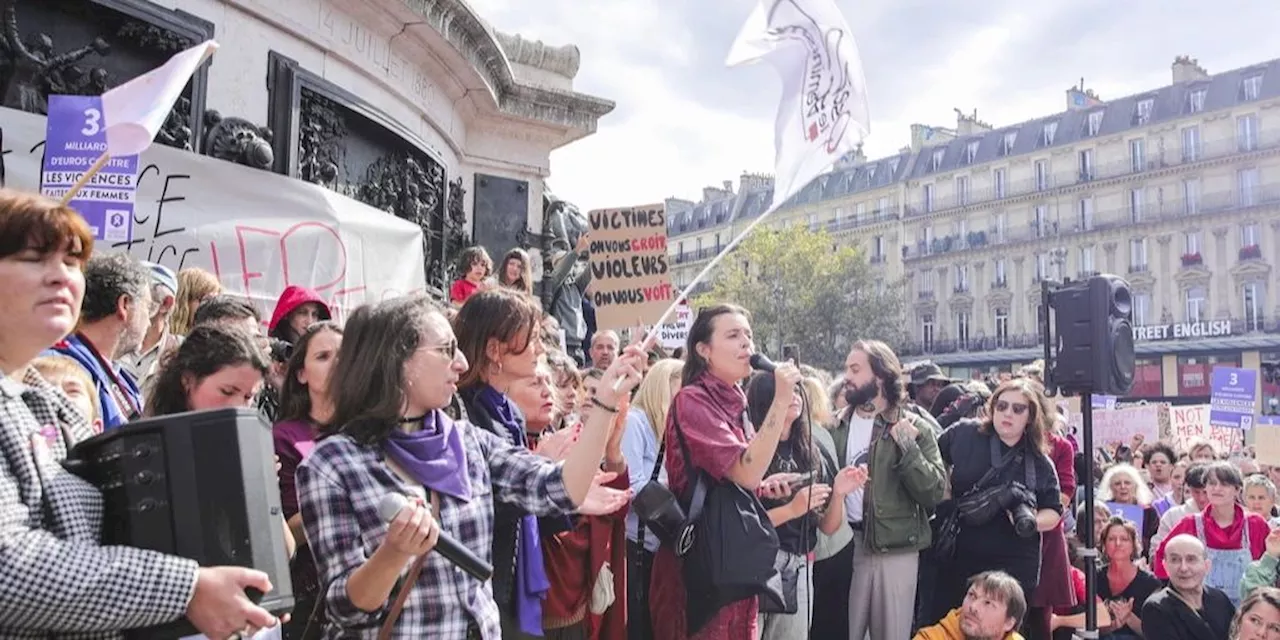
(56, 580)
(339, 488)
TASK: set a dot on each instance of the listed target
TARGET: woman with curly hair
(215, 368)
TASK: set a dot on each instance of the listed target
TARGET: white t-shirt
(857, 452)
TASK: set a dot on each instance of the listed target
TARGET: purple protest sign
(1233, 397)
(75, 136)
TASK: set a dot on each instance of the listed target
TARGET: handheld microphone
(760, 362)
(446, 546)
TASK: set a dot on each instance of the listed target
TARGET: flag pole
(84, 179)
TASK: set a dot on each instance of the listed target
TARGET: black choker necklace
(415, 420)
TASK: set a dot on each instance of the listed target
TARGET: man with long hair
(891, 522)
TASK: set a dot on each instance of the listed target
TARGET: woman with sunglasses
(1012, 441)
(396, 373)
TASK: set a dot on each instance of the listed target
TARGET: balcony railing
(694, 256)
(1192, 259)
(1250, 252)
(980, 343)
(1168, 210)
(862, 221)
(1173, 156)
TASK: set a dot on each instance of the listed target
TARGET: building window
(813, 222)
(1086, 165)
(859, 211)
(928, 198)
(1148, 378)
(1042, 266)
(1041, 220)
(1002, 328)
(1042, 175)
(962, 329)
(1135, 205)
(882, 206)
(1006, 143)
(1142, 111)
(962, 190)
(1248, 235)
(1141, 309)
(926, 332)
(1191, 196)
(998, 182)
(1197, 304)
(1095, 122)
(927, 233)
(1137, 155)
(1247, 179)
(1084, 219)
(1195, 373)
(937, 158)
(1086, 261)
(1002, 221)
(1195, 101)
(1251, 296)
(1191, 243)
(877, 248)
(971, 152)
(699, 246)
(1049, 131)
(1251, 87)
(1138, 254)
(962, 278)
(1247, 132)
(1002, 278)
(1191, 144)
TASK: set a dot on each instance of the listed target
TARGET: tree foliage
(802, 288)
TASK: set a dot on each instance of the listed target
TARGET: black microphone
(760, 362)
(446, 546)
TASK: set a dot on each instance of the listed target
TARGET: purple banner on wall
(75, 137)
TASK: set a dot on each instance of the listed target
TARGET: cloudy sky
(685, 121)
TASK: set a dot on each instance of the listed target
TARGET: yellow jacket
(949, 629)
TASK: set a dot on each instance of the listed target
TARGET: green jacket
(1260, 573)
(904, 486)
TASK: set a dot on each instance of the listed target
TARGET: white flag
(135, 110)
(823, 114)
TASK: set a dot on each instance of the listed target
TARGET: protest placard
(1192, 421)
(631, 279)
(1120, 425)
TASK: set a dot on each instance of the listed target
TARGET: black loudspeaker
(200, 485)
(1094, 330)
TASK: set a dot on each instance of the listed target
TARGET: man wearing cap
(926, 381)
(158, 340)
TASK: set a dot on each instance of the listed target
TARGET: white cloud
(685, 121)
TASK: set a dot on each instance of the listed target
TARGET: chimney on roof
(1188, 69)
(728, 186)
(926, 136)
(1079, 98)
(852, 159)
(968, 125)
(750, 182)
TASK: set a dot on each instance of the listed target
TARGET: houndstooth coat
(56, 580)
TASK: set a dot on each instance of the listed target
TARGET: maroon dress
(1055, 589)
(710, 415)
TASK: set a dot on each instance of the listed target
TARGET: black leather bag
(657, 508)
(950, 516)
(790, 575)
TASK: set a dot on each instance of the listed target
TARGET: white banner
(258, 231)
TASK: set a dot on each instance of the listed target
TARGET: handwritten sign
(631, 280)
(1120, 425)
(77, 136)
(674, 335)
(258, 231)
(1192, 421)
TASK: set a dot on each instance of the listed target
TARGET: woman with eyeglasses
(397, 371)
(1022, 490)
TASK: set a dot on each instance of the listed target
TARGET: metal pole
(1090, 551)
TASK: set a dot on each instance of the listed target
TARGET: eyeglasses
(448, 350)
(1018, 407)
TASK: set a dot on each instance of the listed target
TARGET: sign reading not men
(631, 280)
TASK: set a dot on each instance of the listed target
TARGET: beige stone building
(1176, 189)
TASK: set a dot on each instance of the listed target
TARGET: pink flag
(135, 110)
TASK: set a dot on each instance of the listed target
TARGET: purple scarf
(532, 584)
(433, 455)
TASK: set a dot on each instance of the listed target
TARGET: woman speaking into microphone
(396, 372)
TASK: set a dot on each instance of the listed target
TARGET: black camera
(659, 509)
(1024, 520)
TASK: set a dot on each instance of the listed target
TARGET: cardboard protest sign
(631, 279)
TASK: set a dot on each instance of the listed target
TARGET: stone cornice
(478, 44)
(563, 60)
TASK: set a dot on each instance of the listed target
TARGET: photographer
(1005, 488)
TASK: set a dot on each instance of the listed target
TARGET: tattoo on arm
(746, 457)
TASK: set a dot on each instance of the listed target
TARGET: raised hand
(1273, 543)
(785, 378)
(602, 500)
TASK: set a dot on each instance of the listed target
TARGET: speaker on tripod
(1094, 333)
